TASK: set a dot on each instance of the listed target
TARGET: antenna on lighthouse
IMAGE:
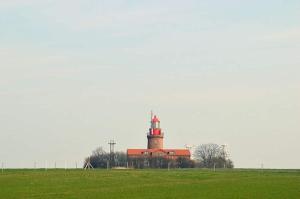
(151, 115)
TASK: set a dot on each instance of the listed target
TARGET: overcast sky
(75, 74)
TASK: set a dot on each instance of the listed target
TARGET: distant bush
(206, 156)
(102, 159)
(160, 162)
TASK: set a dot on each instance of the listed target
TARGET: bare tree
(211, 155)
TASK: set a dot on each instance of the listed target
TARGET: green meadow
(180, 183)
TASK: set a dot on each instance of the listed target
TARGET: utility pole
(112, 144)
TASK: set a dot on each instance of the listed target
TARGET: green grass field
(193, 183)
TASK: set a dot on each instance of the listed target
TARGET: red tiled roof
(179, 152)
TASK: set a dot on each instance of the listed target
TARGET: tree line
(205, 156)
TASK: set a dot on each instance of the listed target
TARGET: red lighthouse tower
(155, 135)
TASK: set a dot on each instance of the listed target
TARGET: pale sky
(75, 74)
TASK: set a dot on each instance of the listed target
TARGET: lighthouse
(155, 135)
(155, 148)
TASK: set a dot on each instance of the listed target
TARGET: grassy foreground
(150, 184)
